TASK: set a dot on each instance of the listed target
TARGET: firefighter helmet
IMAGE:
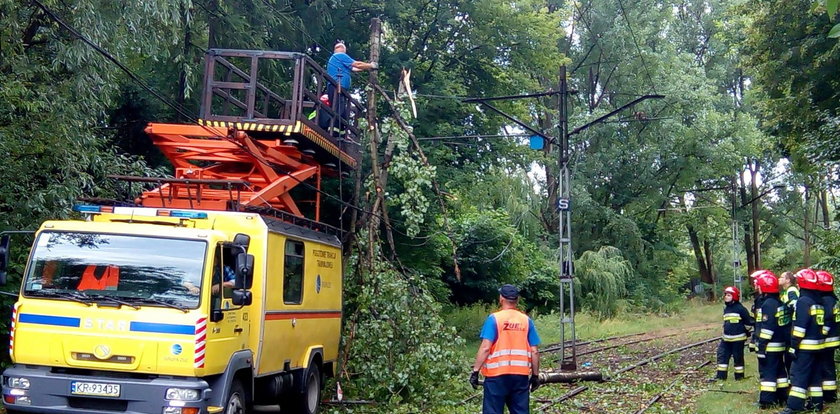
(825, 281)
(758, 274)
(807, 279)
(736, 294)
(767, 283)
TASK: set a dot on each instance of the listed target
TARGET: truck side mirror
(4, 257)
(244, 271)
(242, 240)
(242, 297)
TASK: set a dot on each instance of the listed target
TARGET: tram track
(551, 405)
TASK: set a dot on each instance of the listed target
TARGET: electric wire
(635, 42)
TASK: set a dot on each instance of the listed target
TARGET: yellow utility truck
(145, 310)
(214, 290)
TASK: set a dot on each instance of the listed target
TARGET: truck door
(230, 332)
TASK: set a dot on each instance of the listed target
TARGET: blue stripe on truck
(49, 320)
(162, 328)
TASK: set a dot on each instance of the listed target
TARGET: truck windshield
(150, 271)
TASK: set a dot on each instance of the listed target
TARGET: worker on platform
(736, 318)
(807, 343)
(789, 294)
(341, 67)
(832, 335)
(772, 343)
(507, 357)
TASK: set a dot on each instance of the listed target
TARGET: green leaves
(834, 33)
(831, 8)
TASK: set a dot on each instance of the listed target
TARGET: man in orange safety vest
(507, 357)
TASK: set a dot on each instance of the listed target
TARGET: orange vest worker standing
(507, 357)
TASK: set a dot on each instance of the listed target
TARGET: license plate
(94, 388)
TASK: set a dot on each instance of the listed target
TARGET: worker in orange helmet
(736, 318)
(832, 335)
(507, 357)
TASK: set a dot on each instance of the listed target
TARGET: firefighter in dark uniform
(789, 294)
(756, 310)
(772, 343)
(736, 318)
(832, 336)
(807, 342)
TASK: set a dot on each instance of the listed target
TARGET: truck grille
(97, 404)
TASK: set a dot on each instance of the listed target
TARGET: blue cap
(509, 292)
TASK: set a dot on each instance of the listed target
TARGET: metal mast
(568, 350)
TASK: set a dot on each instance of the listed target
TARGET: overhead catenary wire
(636, 42)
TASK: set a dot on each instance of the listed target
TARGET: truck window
(293, 273)
(140, 269)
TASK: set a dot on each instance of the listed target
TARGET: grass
(739, 397)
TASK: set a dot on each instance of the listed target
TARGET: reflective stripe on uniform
(508, 364)
(798, 392)
(775, 347)
(735, 338)
(732, 317)
(767, 386)
(782, 383)
(829, 385)
(832, 342)
(798, 331)
(739, 370)
(812, 344)
(722, 367)
(815, 391)
(503, 352)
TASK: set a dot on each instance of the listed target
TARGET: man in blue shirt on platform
(340, 67)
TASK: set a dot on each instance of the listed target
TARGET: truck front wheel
(309, 400)
(236, 399)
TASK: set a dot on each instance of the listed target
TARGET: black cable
(635, 42)
(110, 57)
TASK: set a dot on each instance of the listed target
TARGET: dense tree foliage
(737, 163)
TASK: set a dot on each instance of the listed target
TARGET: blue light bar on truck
(89, 208)
(182, 214)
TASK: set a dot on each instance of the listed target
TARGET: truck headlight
(182, 394)
(18, 382)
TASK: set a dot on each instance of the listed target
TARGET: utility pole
(568, 350)
(564, 234)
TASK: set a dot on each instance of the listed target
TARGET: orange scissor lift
(264, 129)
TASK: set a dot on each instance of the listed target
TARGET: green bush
(468, 320)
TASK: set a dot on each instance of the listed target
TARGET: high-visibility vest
(511, 353)
(786, 296)
(108, 281)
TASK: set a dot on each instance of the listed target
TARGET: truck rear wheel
(309, 401)
(236, 399)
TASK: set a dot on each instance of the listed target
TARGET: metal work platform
(270, 122)
(278, 96)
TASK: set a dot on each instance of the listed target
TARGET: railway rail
(550, 405)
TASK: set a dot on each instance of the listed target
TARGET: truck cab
(140, 310)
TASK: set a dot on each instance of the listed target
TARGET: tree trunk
(755, 219)
(705, 276)
(182, 75)
(824, 208)
(806, 252)
(710, 264)
(748, 245)
(213, 24)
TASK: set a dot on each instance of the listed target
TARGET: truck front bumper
(50, 392)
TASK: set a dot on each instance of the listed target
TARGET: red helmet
(767, 283)
(755, 276)
(736, 294)
(825, 281)
(807, 279)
